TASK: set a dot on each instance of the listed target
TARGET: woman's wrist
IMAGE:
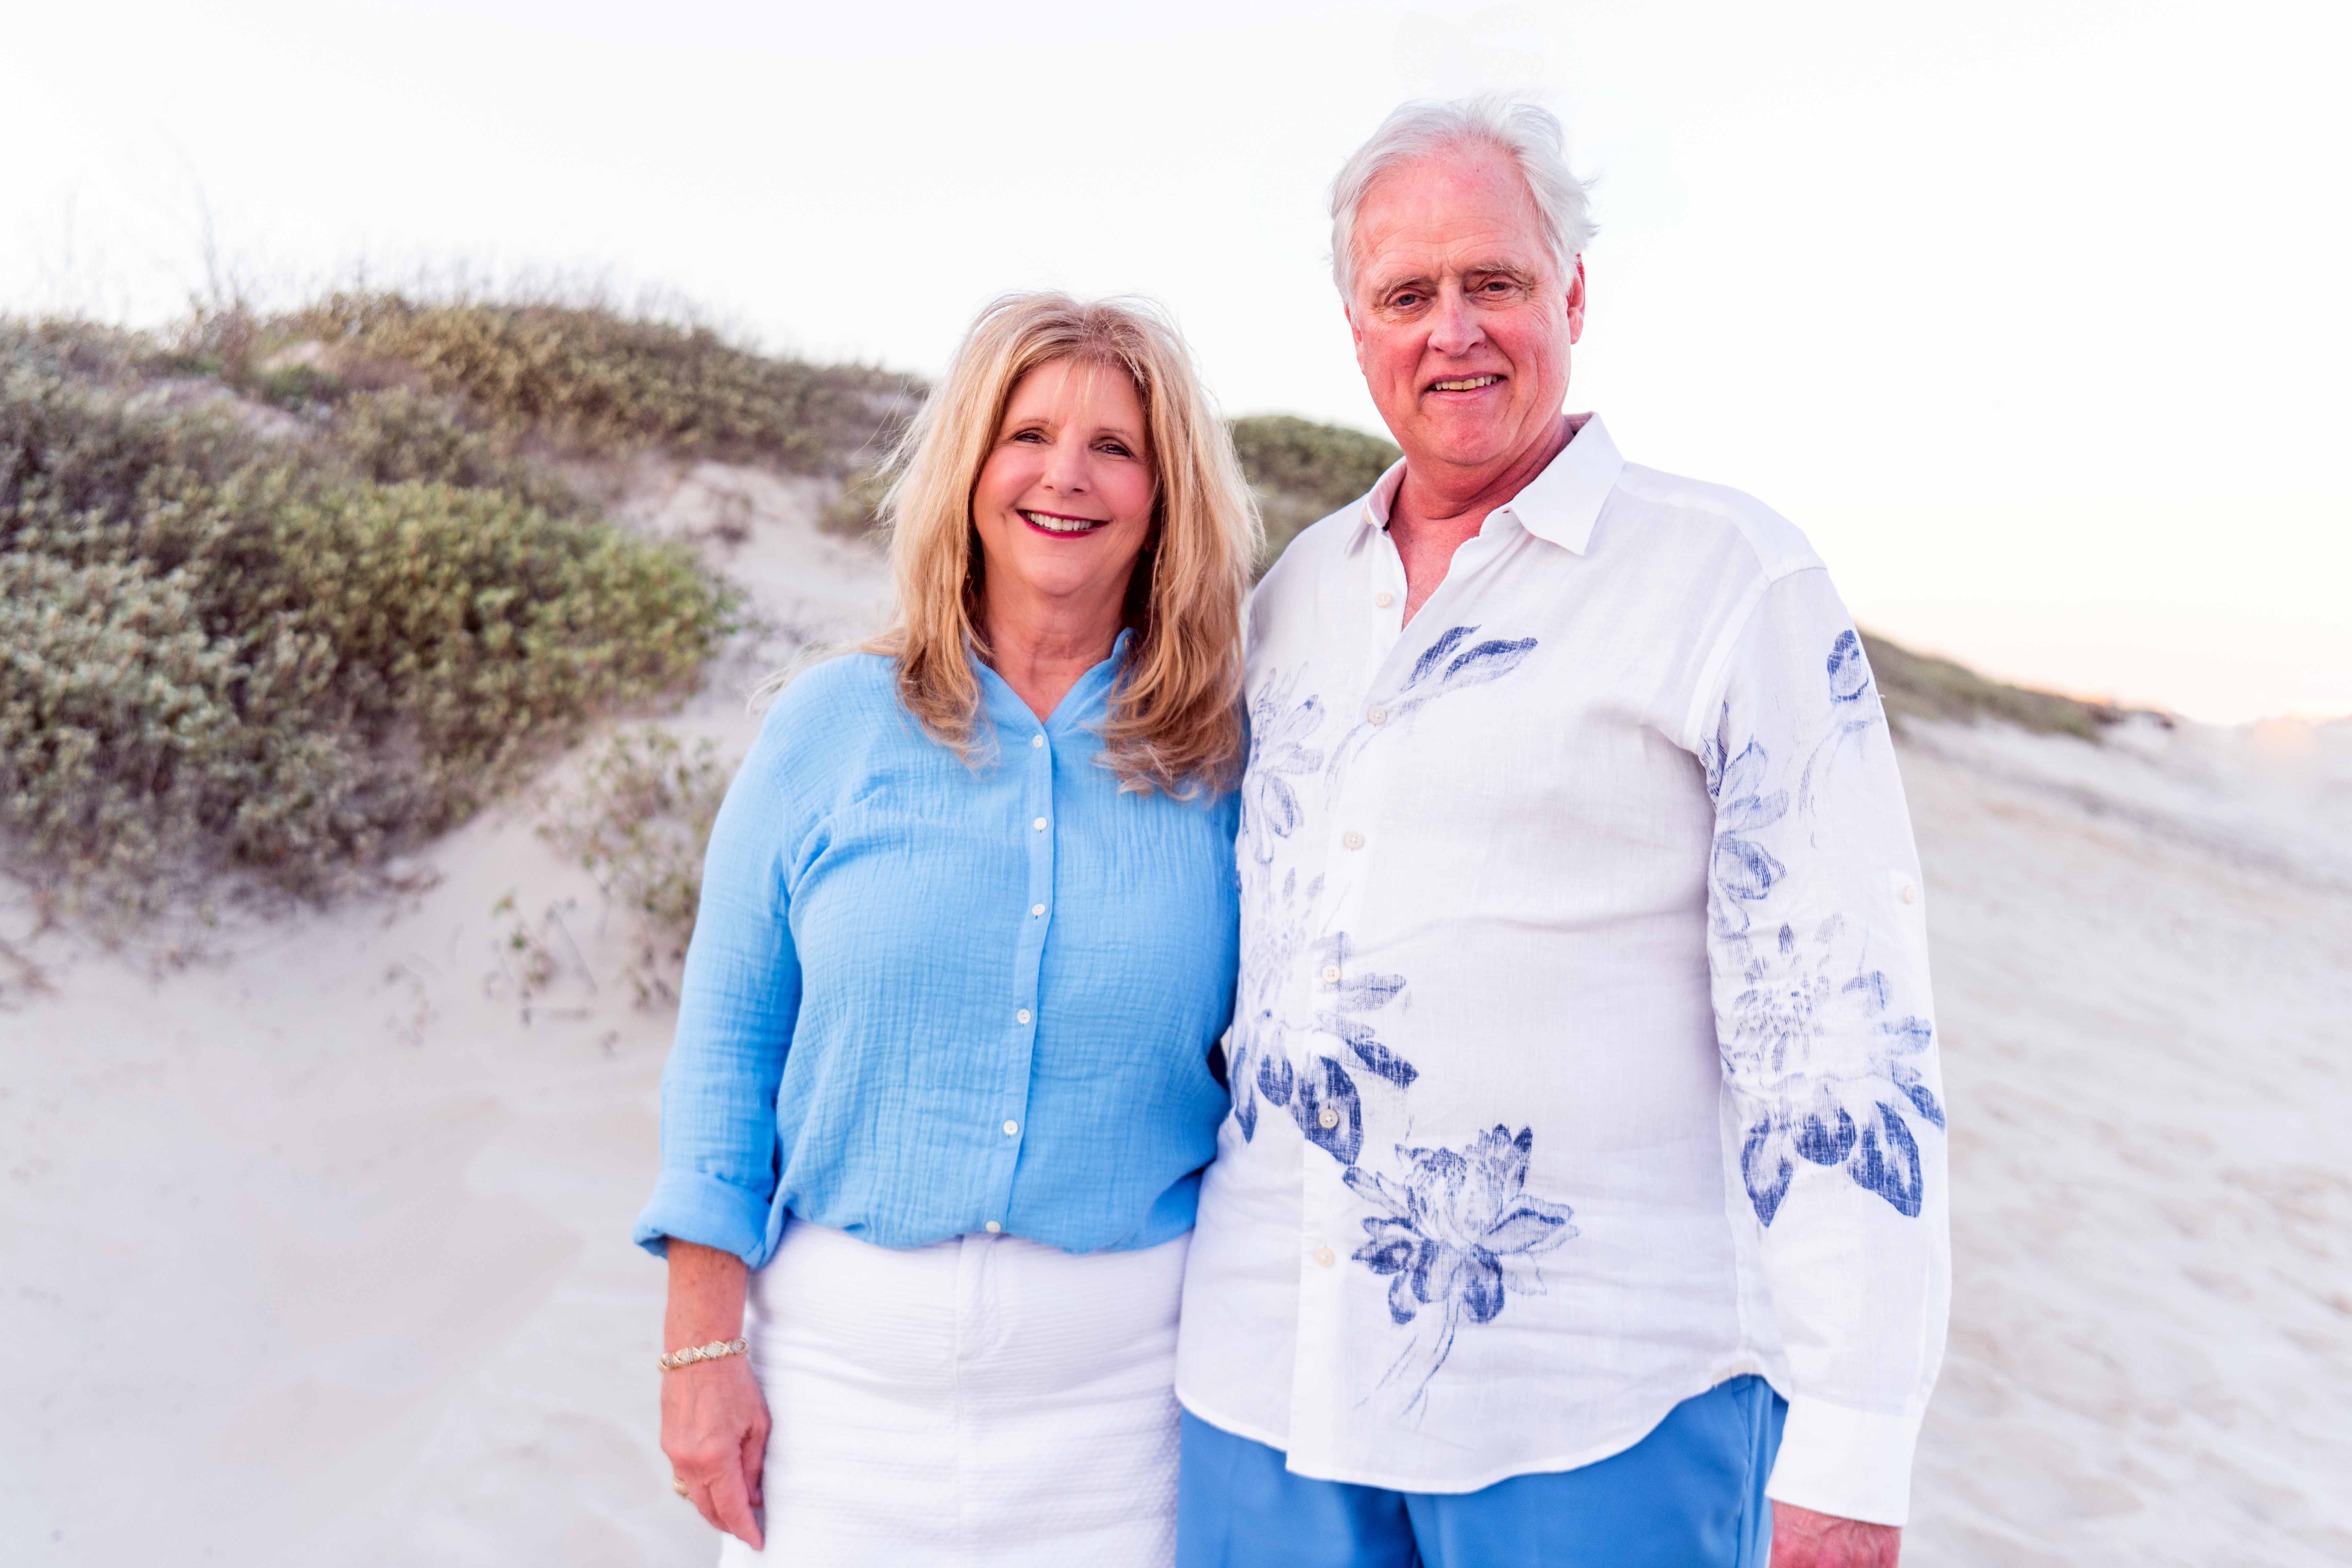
(715, 1349)
(706, 1297)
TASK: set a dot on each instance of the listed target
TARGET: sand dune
(312, 1235)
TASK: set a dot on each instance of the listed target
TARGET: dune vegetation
(1919, 686)
(601, 381)
(282, 594)
(1302, 471)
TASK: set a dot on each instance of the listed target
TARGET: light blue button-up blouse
(923, 1000)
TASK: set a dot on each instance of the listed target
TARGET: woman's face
(1065, 500)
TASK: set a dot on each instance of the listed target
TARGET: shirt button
(1039, 825)
(1378, 715)
(1352, 840)
(994, 1227)
(1383, 599)
(1021, 1016)
(1038, 910)
(1910, 893)
(1330, 974)
(1037, 741)
(1323, 1255)
(1327, 1118)
(1012, 1130)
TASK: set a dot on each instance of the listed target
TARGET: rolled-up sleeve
(1819, 965)
(737, 1005)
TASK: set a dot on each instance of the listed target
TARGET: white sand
(2144, 971)
(313, 1250)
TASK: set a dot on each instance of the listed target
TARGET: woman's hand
(715, 1431)
(714, 1421)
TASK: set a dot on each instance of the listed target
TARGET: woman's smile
(1061, 525)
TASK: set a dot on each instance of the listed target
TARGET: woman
(941, 1089)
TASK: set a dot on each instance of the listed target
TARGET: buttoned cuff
(693, 1206)
(1851, 1464)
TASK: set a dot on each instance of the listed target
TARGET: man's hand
(1803, 1538)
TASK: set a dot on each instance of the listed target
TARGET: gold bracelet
(711, 1352)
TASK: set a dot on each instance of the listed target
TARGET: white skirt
(978, 1402)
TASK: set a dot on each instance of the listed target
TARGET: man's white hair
(1530, 135)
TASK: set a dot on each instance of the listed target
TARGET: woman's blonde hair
(1175, 714)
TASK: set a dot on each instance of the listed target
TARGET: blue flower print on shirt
(1279, 752)
(1444, 667)
(1806, 1003)
(1855, 712)
(1849, 671)
(1274, 935)
(1262, 1063)
(1449, 1225)
(1820, 1051)
(1328, 1110)
(1358, 993)
(1455, 1230)
(1321, 1094)
(1257, 1049)
(1743, 867)
(1273, 1057)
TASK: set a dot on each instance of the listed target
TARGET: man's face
(1462, 319)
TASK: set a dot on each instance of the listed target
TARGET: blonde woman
(941, 1091)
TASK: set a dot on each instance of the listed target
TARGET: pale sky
(2031, 314)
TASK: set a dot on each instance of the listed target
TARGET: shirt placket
(1037, 919)
(1385, 592)
(1321, 1387)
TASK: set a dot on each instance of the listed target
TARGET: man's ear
(1576, 303)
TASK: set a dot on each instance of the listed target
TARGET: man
(1587, 1125)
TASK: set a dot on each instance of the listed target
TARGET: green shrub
(639, 821)
(1918, 686)
(83, 350)
(588, 377)
(1302, 471)
(399, 434)
(216, 647)
(294, 387)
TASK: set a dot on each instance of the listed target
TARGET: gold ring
(679, 1486)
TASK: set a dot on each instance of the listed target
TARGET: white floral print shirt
(1583, 1056)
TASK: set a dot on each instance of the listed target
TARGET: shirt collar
(1558, 505)
(1085, 703)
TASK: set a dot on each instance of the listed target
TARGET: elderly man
(1584, 1182)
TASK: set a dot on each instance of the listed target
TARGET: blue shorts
(1689, 1495)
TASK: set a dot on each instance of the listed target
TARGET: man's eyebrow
(1469, 269)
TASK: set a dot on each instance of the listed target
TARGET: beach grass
(289, 635)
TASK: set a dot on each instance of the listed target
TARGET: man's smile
(1465, 383)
